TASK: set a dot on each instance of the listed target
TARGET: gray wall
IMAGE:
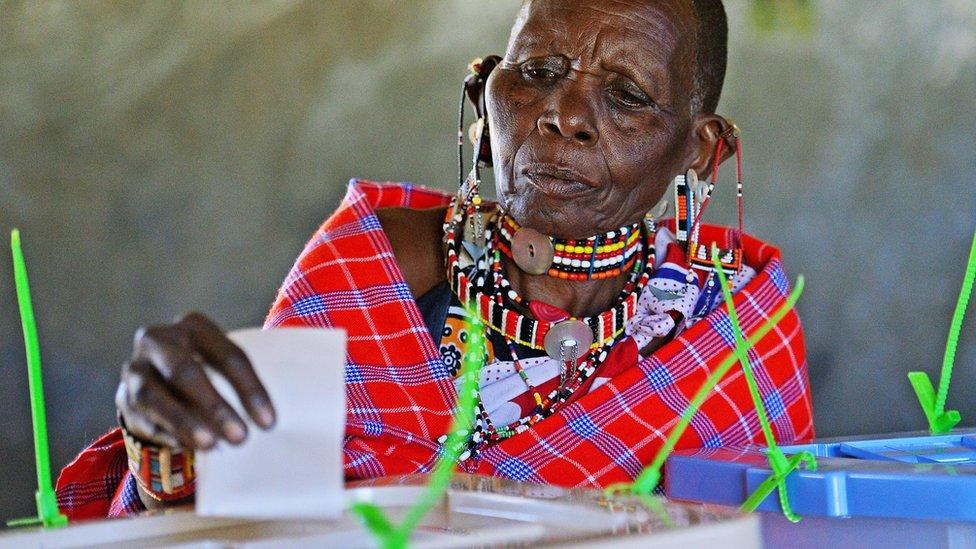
(161, 157)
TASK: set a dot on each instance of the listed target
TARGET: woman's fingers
(171, 353)
(138, 424)
(221, 353)
(152, 411)
(166, 396)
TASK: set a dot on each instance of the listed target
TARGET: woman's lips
(557, 181)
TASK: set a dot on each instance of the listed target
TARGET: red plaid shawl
(400, 396)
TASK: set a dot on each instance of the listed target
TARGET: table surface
(495, 512)
(476, 510)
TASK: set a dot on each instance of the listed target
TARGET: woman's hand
(165, 396)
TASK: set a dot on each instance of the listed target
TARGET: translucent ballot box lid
(476, 511)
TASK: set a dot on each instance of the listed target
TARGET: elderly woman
(601, 318)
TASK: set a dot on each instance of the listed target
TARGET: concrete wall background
(161, 157)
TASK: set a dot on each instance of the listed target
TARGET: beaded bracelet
(166, 474)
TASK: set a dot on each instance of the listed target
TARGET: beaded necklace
(507, 298)
(602, 256)
(524, 330)
(497, 304)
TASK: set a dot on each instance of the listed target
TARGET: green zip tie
(941, 421)
(781, 469)
(48, 513)
(651, 475)
(391, 536)
(778, 462)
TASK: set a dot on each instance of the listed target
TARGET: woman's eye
(538, 73)
(544, 70)
(630, 98)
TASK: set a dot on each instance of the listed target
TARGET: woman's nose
(570, 116)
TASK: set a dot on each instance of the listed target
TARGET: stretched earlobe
(707, 130)
(474, 83)
(474, 90)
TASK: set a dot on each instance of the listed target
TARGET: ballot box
(474, 511)
(892, 490)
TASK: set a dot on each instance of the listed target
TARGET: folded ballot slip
(293, 470)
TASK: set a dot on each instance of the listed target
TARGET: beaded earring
(691, 198)
(467, 204)
(474, 239)
(685, 206)
(700, 256)
(730, 256)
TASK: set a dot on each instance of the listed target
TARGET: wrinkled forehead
(651, 34)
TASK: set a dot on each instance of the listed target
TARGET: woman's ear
(474, 84)
(706, 131)
(474, 88)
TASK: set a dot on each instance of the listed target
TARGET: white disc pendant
(698, 187)
(566, 333)
(532, 251)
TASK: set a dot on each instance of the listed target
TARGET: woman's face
(589, 112)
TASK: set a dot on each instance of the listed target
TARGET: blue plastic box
(910, 477)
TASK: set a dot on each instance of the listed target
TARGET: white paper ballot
(295, 469)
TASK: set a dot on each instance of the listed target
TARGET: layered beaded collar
(581, 345)
(602, 256)
(485, 290)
